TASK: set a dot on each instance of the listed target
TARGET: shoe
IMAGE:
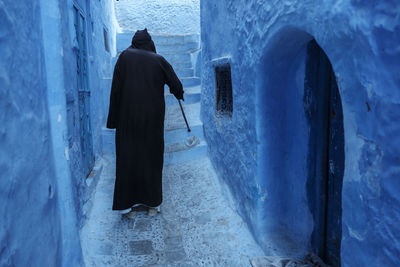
(154, 211)
(139, 208)
(123, 212)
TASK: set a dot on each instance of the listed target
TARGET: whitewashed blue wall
(42, 185)
(159, 16)
(265, 42)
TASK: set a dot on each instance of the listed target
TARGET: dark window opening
(106, 43)
(224, 103)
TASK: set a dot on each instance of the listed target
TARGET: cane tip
(189, 130)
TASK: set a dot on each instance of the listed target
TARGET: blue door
(83, 92)
(326, 154)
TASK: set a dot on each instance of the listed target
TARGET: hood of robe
(142, 40)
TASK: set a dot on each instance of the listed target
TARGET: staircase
(181, 51)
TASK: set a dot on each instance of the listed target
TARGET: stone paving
(196, 226)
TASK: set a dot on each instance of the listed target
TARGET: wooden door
(326, 154)
(83, 92)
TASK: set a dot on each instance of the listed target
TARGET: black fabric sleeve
(175, 85)
(113, 112)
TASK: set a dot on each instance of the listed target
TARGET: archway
(300, 134)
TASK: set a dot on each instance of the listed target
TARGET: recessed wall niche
(223, 82)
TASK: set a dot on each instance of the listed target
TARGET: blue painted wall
(159, 17)
(42, 185)
(261, 152)
(30, 223)
(98, 16)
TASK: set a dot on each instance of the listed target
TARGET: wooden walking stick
(183, 113)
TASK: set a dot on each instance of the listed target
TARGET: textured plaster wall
(29, 212)
(42, 186)
(261, 151)
(159, 16)
(98, 15)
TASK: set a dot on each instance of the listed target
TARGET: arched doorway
(325, 162)
(300, 154)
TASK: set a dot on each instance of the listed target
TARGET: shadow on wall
(288, 217)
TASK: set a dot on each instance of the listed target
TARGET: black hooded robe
(137, 110)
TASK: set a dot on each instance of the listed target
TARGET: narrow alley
(293, 155)
(196, 226)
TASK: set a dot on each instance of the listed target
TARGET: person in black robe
(137, 110)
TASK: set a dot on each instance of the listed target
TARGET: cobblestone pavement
(196, 226)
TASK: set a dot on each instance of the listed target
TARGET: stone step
(167, 43)
(193, 89)
(181, 65)
(189, 72)
(190, 81)
(182, 69)
(177, 64)
(189, 99)
(178, 61)
(192, 95)
(173, 48)
(174, 119)
(177, 58)
(166, 50)
(167, 39)
(193, 153)
(176, 49)
(91, 184)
